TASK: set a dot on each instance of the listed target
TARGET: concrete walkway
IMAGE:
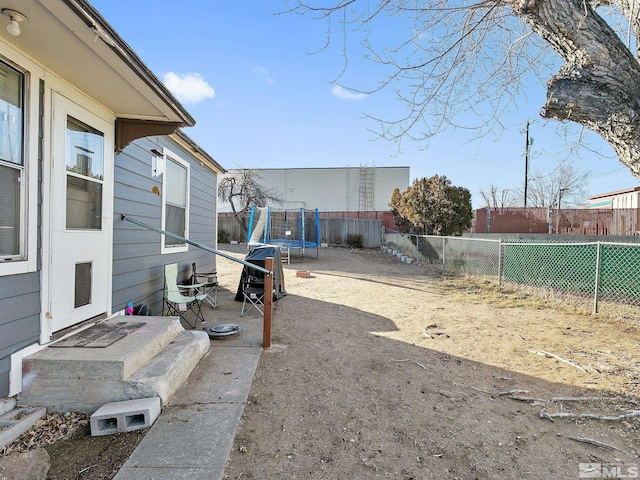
(194, 434)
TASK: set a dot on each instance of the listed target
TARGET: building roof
(614, 193)
(320, 168)
(199, 153)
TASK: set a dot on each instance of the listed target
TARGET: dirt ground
(84, 457)
(377, 371)
(380, 370)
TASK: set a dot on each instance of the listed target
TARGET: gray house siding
(20, 294)
(138, 265)
(19, 319)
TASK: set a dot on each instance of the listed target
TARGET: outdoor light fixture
(157, 163)
(14, 21)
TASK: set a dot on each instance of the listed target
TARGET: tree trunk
(239, 217)
(599, 82)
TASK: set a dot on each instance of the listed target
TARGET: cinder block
(18, 421)
(127, 416)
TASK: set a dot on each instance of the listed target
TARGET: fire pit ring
(223, 330)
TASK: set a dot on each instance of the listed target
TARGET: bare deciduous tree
(458, 57)
(243, 189)
(497, 198)
(567, 181)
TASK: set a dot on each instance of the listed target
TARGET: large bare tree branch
(461, 57)
(599, 82)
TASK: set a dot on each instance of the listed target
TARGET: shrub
(354, 240)
(223, 237)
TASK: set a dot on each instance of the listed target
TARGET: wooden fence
(334, 231)
(229, 229)
(567, 221)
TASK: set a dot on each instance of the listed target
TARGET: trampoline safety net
(297, 228)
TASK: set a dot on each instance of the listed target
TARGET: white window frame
(29, 176)
(171, 156)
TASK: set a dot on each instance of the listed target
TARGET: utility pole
(560, 192)
(526, 164)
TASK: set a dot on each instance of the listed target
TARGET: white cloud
(189, 88)
(343, 94)
(264, 74)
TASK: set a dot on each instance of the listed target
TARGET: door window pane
(84, 150)
(9, 211)
(85, 171)
(11, 124)
(82, 284)
(84, 204)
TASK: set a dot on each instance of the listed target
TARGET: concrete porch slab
(153, 361)
(117, 361)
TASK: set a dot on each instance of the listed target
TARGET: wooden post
(268, 303)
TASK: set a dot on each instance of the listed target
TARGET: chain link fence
(593, 276)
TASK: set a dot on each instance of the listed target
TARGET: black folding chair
(208, 285)
(253, 293)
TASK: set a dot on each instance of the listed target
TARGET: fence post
(596, 292)
(268, 303)
(499, 263)
(417, 249)
(444, 253)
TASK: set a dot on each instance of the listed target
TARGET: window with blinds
(11, 163)
(176, 201)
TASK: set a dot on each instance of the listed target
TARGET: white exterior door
(81, 218)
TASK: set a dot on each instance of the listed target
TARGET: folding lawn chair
(178, 303)
(253, 294)
(209, 282)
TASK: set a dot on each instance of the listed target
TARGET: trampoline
(294, 231)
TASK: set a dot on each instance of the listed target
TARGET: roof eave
(95, 21)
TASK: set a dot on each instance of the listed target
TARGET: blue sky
(262, 100)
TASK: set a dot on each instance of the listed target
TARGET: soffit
(69, 38)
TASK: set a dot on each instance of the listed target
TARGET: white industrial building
(337, 189)
(627, 198)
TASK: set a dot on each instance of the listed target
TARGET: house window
(175, 203)
(12, 170)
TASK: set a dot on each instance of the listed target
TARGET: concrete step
(170, 369)
(152, 361)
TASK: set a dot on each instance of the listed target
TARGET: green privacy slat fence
(569, 268)
(620, 273)
(597, 274)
